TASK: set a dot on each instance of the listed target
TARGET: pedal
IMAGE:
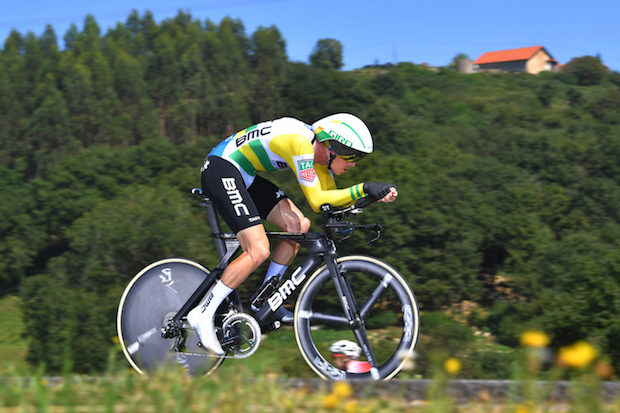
(179, 344)
(272, 326)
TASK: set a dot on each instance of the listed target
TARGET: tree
(163, 77)
(269, 62)
(227, 58)
(48, 44)
(49, 127)
(14, 92)
(327, 54)
(138, 119)
(82, 103)
(21, 236)
(588, 70)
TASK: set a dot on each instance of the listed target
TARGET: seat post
(214, 223)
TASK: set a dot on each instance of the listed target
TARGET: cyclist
(332, 145)
(346, 354)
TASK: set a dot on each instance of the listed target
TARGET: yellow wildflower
(351, 406)
(452, 365)
(579, 354)
(535, 339)
(303, 392)
(523, 409)
(331, 401)
(342, 389)
(290, 404)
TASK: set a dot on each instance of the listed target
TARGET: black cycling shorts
(239, 207)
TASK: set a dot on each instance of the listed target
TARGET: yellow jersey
(285, 143)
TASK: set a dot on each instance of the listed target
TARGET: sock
(274, 269)
(215, 296)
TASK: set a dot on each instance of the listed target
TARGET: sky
(370, 31)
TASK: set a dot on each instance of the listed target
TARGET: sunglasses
(348, 158)
(351, 158)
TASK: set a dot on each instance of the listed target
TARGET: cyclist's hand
(391, 196)
(381, 191)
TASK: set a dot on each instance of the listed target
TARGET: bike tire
(152, 297)
(392, 324)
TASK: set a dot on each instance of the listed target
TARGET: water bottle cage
(265, 292)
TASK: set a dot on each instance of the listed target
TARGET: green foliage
(588, 70)
(12, 338)
(327, 54)
(269, 64)
(508, 183)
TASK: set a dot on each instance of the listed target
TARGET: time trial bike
(354, 297)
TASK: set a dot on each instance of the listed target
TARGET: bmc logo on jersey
(251, 134)
(306, 170)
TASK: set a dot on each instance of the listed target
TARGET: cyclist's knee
(300, 224)
(304, 224)
(259, 251)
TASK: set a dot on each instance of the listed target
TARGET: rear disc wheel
(150, 300)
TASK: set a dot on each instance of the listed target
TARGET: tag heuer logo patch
(306, 170)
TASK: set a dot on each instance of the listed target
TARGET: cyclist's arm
(316, 182)
(326, 179)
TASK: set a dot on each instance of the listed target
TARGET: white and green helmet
(344, 134)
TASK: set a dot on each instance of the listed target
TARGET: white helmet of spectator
(346, 347)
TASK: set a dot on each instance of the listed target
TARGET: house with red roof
(525, 59)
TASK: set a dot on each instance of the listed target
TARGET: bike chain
(209, 355)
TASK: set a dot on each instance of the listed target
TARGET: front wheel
(388, 312)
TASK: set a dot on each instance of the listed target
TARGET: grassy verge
(13, 346)
(234, 390)
(254, 383)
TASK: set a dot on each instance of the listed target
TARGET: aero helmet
(346, 347)
(344, 134)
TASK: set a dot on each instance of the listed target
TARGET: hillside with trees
(509, 184)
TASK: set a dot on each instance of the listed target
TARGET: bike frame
(320, 248)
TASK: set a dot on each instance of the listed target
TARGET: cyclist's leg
(286, 216)
(275, 207)
(255, 246)
(223, 183)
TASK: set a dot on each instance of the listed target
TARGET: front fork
(351, 309)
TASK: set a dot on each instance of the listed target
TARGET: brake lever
(372, 227)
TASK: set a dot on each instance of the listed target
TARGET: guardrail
(463, 390)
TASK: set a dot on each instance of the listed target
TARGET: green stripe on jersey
(243, 162)
(357, 190)
(262, 155)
